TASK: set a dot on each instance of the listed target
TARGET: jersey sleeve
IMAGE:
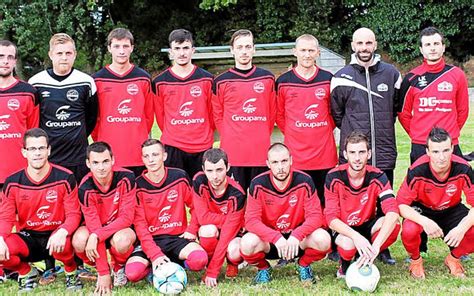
(32, 120)
(468, 188)
(462, 100)
(217, 107)
(333, 208)
(92, 111)
(71, 208)
(386, 197)
(204, 215)
(193, 225)
(406, 101)
(272, 109)
(407, 194)
(253, 220)
(7, 212)
(280, 114)
(159, 108)
(89, 210)
(149, 102)
(338, 101)
(146, 239)
(313, 217)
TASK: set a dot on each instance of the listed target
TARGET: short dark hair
(119, 34)
(214, 155)
(438, 135)
(430, 31)
(356, 137)
(150, 142)
(7, 43)
(98, 147)
(180, 35)
(35, 133)
(240, 33)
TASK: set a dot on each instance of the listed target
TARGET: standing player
(244, 109)
(125, 103)
(164, 236)
(42, 199)
(183, 106)
(219, 204)
(433, 94)
(364, 97)
(430, 201)
(18, 112)
(284, 218)
(353, 192)
(68, 106)
(304, 115)
(107, 197)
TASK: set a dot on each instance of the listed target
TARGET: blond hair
(60, 38)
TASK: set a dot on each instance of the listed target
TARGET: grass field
(394, 279)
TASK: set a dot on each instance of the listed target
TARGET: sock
(411, 238)
(257, 259)
(311, 255)
(209, 244)
(136, 271)
(197, 260)
(347, 255)
(119, 258)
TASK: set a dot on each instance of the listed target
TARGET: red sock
(466, 246)
(209, 244)
(411, 238)
(136, 271)
(311, 255)
(18, 251)
(257, 259)
(197, 260)
(390, 239)
(119, 258)
(235, 262)
(67, 256)
(84, 258)
(347, 255)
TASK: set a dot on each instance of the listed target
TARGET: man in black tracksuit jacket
(364, 97)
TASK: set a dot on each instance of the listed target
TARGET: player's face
(440, 155)
(364, 45)
(243, 50)
(279, 162)
(216, 173)
(36, 152)
(181, 53)
(357, 155)
(153, 157)
(432, 48)
(7, 61)
(100, 164)
(120, 51)
(306, 51)
(63, 56)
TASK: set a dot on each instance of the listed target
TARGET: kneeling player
(430, 201)
(107, 197)
(43, 200)
(160, 217)
(353, 192)
(219, 203)
(284, 218)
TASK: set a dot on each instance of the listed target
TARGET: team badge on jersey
(451, 189)
(310, 112)
(248, 107)
(320, 93)
(52, 196)
(172, 195)
(258, 87)
(293, 200)
(445, 86)
(13, 104)
(382, 87)
(72, 95)
(195, 91)
(132, 89)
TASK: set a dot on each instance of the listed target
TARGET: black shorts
(170, 245)
(36, 243)
(319, 178)
(244, 175)
(273, 253)
(364, 229)
(189, 162)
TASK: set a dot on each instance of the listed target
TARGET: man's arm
(7, 213)
(405, 101)
(462, 101)
(397, 104)
(313, 217)
(146, 239)
(217, 107)
(254, 224)
(149, 110)
(71, 210)
(159, 108)
(280, 115)
(338, 100)
(204, 215)
(193, 225)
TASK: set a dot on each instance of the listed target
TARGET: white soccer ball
(170, 279)
(364, 279)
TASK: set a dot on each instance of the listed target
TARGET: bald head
(307, 37)
(363, 33)
(364, 46)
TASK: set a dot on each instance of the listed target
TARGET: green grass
(394, 279)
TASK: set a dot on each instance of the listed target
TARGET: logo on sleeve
(259, 87)
(283, 222)
(445, 86)
(13, 104)
(184, 110)
(72, 95)
(195, 91)
(422, 81)
(132, 89)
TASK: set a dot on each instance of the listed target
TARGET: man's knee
(249, 243)
(79, 239)
(319, 240)
(209, 230)
(123, 240)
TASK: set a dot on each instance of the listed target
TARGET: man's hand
(293, 245)
(104, 285)
(282, 247)
(91, 247)
(188, 236)
(365, 249)
(57, 241)
(454, 237)
(158, 262)
(4, 251)
(432, 229)
(210, 282)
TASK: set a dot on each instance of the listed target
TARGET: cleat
(73, 282)
(120, 279)
(455, 267)
(465, 258)
(231, 270)
(306, 274)
(341, 272)
(86, 274)
(50, 275)
(417, 270)
(263, 276)
(28, 282)
(386, 257)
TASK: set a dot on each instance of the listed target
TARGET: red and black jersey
(18, 113)
(108, 210)
(244, 108)
(226, 211)
(161, 209)
(357, 205)
(183, 109)
(42, 206)
(423, 186)
(294, 209)
(434, 95)
(125, 112)
(304, 117)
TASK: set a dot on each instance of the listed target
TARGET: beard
(365, 58)
(283, 178)
(6, 75)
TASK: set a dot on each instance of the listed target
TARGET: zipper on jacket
(371, 114)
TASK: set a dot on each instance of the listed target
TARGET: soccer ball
(362, 279)
(170, 279)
